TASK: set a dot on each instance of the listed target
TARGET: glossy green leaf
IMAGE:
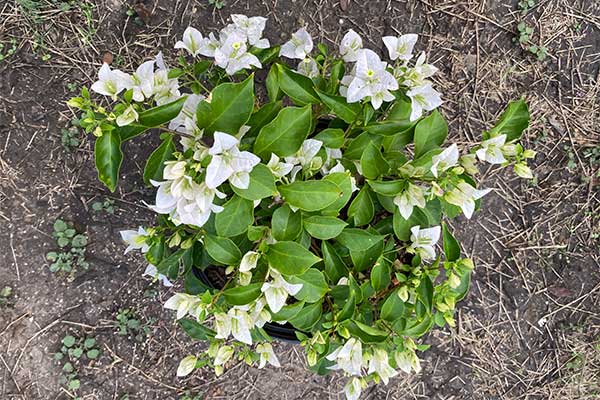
(513, 121)
(222, 250)
(313, 283)
(324, 227)
(307, 317)
(392, 308)
(348, 309)
(237, 215)
(298, 87)
(387, 188)
(195, 330)
(381, 275)
(430, 133)
(334, 265)
(156, 162)
(366, 333)
(230, 107)
(262, 184)
(274, 91)
(331, 137)
(358, 239)
(310, 195)
(372, 162)
(451, 245)
(242, 295)
(340, 107)
(425, 292)
(108, 155)
(151, 118)
(290, 258)
(262, 117)
(344, 183)
(362, 209)
(357, 146)
(285, 134)
(288, 312)
(286, 224)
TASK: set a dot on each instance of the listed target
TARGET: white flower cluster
(138, 240)
(230, 50)
(351, 359)
(150, 81)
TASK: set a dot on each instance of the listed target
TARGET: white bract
(127, 117)
(152, 272)
(418, 74)
(371, 79)
(136, 240)
(192, 41)
(353, 389)
(306, 154)
(252, 28)
(233, 55)
(412, 196)
(186, 366)
(400, 48)
(185, 122)
(229, 163)
(183, 303)
(110, 82)
(278, 168)
(267, 355)
(407, 360)
(424, 240)
(299, 46)
(464, 196)
(348, 357)
(223, 355)
(142, 81)
(277, 290)
(308, 67)
(423, 98)
(448, 158)
(491, 150)
(249, 261)
(379, 364)
(350, 45)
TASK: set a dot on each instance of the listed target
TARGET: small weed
(69, 138)
(72, 87)
(73, 353)
(5, 294)
(524, 39)
(7, 51)
(526, 5)
(130, 324)
(71, 257)
(217, 4)
(108, 205)
(187, 395)
(136, 18)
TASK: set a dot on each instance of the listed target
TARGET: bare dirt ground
(529, 329)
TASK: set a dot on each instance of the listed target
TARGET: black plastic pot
(210, 277)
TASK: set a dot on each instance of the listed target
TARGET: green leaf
(344, 183)
(387, 188)
(285, 134)
(331, 137)
(286, 224)
(513, 121)
(425, 292)
(313, 283)
(262, 184)
(381, 275)
(357, 146)
(392, 308)
(307, 317)
(222, 250)
(290, 258)
(310, 195)
(451, 246)
(108, 155)
(74, 384)
(151, 118)
(348, 309)
(93, 354)
(366, 333)
(358, 239)
(298, 87)
(195, 330)
(273, 89)
(372, 162)
(363, 260)
(430, 133)
(465, 283)
(156, 162)
(288, 312)
(424, 217)
(362, 208)
(340, 107)
(324, 227)
(262, 117)
(241, 295)
(334, 266)
(169, 266)
(89, 343)
(418, 328)
(237, 215)
(230, 107)
(392, 128)
(68, 341)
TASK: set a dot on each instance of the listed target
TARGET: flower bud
(522, 170)
(469, 163)
(311, 357)
(529, 153)
(454, 280)
(509, 150)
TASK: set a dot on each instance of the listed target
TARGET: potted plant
(313, 211)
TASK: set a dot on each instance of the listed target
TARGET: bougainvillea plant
(319, 204)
